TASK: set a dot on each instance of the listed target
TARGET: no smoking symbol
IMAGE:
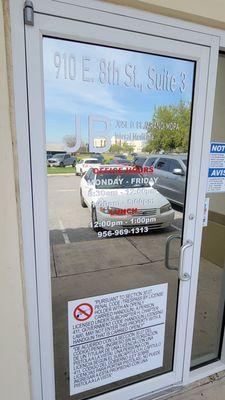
(83, 312)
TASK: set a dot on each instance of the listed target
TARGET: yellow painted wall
(14, 375)
(207, 12)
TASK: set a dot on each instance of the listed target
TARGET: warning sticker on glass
(216, 171)
(115, 336)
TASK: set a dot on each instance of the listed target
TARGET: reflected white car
(119, 200)
(83, 166)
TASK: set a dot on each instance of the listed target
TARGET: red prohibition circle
(83, 312)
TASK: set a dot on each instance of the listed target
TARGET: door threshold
(161, 394)
(184, 389)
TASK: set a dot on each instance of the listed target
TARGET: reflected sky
(118, 84)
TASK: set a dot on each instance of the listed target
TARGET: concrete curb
(66, 174)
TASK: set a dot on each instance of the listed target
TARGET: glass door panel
(209, 315)
(118, 128)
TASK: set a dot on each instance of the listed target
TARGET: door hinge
(28, 11)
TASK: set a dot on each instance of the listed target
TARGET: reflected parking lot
(72, 237)
(83, 265)
(66, 213)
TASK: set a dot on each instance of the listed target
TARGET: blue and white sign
(217, 147)
(216, 172)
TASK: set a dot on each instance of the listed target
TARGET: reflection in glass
(209, 324)
(117, 139)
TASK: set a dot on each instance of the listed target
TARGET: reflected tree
(169, 129)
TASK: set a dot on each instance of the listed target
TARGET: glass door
(114, 166)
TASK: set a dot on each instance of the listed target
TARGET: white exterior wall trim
(67, 9)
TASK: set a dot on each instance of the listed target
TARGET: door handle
(183, 276)
(168, 243)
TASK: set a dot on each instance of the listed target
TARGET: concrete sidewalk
(210, 388)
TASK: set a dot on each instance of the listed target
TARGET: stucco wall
(207, 12)
(14, 375)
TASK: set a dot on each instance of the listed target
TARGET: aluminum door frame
(43, 381)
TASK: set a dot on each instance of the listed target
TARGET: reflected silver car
(61, 160)
(170, 169)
